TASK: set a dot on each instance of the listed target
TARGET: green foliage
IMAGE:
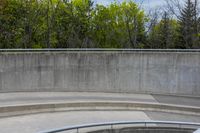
(164, 34)
(119, 25)
(70, 24)
(81, 24)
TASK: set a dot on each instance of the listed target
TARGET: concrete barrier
(119, 71)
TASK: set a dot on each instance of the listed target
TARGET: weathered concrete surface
(190, 101)
(30, 98)
(93, 71)
(47, 121)
(12, 104)
(172, 117)
(42, 122)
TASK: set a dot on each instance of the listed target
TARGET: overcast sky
(146, 3)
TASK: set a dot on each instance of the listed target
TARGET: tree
(164, 34)
(188, 25)
(119, 25)
(81, 24)
(11, 23)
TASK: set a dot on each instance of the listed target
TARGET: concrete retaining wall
(165, 72)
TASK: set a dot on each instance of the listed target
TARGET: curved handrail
(180, 124)
(98, 49)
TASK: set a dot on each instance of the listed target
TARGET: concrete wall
(101, 71)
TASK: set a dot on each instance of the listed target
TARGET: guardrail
(112, 124)
(99, 49)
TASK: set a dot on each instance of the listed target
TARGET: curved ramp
(34, 112)
(29, 103)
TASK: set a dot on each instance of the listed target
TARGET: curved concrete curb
(96, 106)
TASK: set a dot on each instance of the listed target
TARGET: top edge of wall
(99, 50)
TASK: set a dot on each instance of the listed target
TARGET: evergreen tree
(164, 34)
(165, 31)
(187, 25)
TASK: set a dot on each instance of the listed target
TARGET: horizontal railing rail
(99, 49)
(111, 124)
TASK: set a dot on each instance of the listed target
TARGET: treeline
(82, 24)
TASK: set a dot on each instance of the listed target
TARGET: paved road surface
(46, 97)
(39, 122)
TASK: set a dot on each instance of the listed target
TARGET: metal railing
(197, 131)
(99, 49)
(180, 125)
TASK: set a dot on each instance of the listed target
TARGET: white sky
(146, 3)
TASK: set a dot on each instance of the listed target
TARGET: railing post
(180, 126)
(111, 128)
(77, 130)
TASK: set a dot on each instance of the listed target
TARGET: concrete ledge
(99, 49)
(96, 106)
